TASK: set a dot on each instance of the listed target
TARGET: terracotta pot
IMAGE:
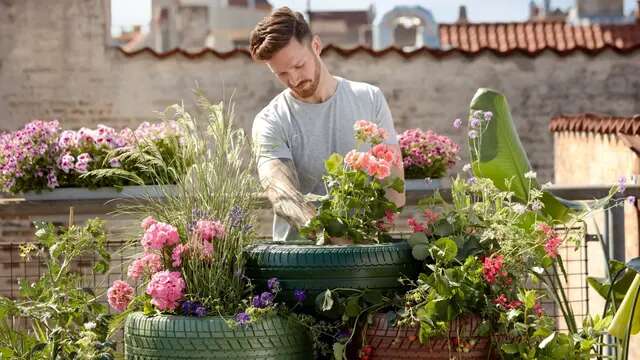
(396, 343)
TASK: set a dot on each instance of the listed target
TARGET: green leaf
(509, 348)
(339, 351)
(334, 163)
(447, 249)
(397, 185)
(373, 297)
(101, 267)
(420, 252)
(543, 344)
(418, 239)
(500, 155)
(335, 227)
(353, 308)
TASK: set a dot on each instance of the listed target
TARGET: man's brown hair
(276, 30)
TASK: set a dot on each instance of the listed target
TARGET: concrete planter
(422, 184)
(127, 192)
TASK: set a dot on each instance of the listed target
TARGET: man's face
(297, 66)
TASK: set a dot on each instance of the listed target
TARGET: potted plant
(426, 157)
(353, 246)
(43, 162)
(195, 300)
(55, 316)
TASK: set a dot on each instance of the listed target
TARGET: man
(308, 121)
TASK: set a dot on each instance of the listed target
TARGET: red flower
(501, 301)
(492, 267)
(551, 247)
(415, 226)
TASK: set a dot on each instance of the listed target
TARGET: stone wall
(55, 63)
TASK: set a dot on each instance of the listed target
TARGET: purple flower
(257, 302)
(457, 123)
(488, 115)
(200, 311)
(631, 200)
(474, 123)
(266, 298)
(236, 215)
(187, 307)
(242, 318)
(52, 180)
(472, 180)
(473, 134)
(622, 184)
(115, 163)
(299, 295)
(273, 284)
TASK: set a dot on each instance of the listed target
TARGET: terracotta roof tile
(598, 123)
(536, 36)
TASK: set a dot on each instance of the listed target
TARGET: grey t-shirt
(308, 134)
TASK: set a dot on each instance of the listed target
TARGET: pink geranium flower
(160, 235)
(120, 295)
(166, 288)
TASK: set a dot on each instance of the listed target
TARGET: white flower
(537, 205)
(547, 185)
(90, 325)
(530, 175)
(519, 208)
(466, 167)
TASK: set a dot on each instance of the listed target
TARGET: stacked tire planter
(399, 343)
(318, 268)
(167, 337)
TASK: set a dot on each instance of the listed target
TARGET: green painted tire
(178, 337)
(317, 268)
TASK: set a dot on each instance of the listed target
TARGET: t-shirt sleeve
(269, 139)
(383, 117)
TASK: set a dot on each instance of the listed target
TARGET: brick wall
(54, 64)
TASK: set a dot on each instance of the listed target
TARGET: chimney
(462, 15)
(638, 12)
(547, 7)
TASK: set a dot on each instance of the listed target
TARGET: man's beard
(307, 88)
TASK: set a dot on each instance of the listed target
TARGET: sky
(126, 13)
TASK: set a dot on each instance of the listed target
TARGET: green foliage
(65, 320)
(498, 154)
(355, 205)
(219, 176)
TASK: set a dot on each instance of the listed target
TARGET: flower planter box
(423, 184)
(398, 343)
(167, 337)
(126, 192)
(317, 268)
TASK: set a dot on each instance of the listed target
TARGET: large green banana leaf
(501, 155)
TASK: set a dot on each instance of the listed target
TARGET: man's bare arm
(280, 182)
(397, 171)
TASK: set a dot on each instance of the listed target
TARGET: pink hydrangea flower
(120, 295)
(160, 235)
(147, 222)
(166, 288)
(208, 230)
(176, 255)
(426, 150)
(149, 263)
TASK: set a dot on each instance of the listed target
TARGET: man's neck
(326, 88)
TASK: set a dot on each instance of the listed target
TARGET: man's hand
(280, 182)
